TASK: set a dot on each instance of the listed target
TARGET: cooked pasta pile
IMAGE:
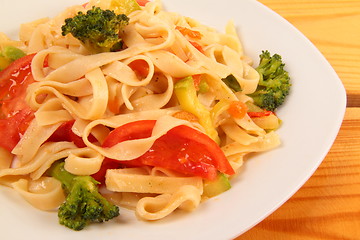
(101, 92)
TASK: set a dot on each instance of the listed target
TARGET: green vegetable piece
(124, 6)
(217, 186)
(274, 84)
(232, 83)
(12, 53)
(98, 29)
(4, 62)
(84, 204)
(8, 55)
(186, 94)
(203, 87)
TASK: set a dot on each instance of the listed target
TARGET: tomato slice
(129, 131)
(13, 127)
(182, 149)
(142, 2)
(206, 150)
(140, 67)
(16, 115)
(10, 75)
(13, 84)
(65, 133)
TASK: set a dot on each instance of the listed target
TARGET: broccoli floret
(97, 29)
(274, 84)
(84, 204)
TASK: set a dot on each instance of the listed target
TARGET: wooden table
(328, 205)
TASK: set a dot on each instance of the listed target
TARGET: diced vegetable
(215, 187)
(8, 55)
(232, 83)
(124, 6)
(237, 109)
(188, 32)
(186, 94)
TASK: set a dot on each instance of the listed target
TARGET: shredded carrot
(237, 109)
(197, 46)
(188, 32)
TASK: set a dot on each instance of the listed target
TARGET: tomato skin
(181, 149)
(16, 115)
(206, 144)
(13, 127)
(65, 133)
(107, 164)
(177, 153)
(12, 76)
(260, 114)
(142, 129)
(142, 2)
(130, 131)
(140, 67)
(13, 84)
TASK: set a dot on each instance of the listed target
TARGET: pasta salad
(120, 103)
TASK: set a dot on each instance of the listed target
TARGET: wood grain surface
(334, 27)
(328, 205)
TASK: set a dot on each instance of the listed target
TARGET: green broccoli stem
(84, 204)
(58, 171)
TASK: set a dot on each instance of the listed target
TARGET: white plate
(311, 118)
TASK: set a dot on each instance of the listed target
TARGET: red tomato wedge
(13, 127)
(142, 2)
(13, 84)
(16, 115)
(182, 149)
(65, 133)
(140, 67)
